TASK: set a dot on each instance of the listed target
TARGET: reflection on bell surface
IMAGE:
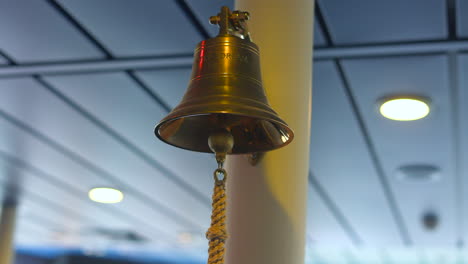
(226, 93)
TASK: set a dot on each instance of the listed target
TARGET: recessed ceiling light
(418, 173)
(105, 195)
(404, 109)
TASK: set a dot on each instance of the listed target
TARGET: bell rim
(283, 124)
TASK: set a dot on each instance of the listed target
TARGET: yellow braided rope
(217, 234)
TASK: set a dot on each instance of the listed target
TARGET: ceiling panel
(204, 9)
(169, 84)
(68, 210)
(27, 233)
(341, 163)
(42, 110)
(33, 31)
(136, 28)
(463, 132)
(366, 21)
(3, 60)
(322, 227)
(73, 194)
(461, 18)
(426, 141)
(107, 94)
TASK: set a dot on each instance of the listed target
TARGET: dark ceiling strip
(388, 192)
(99, 171)
(336, 212)
(40, 223)
(69, 17)
(456, 118)
(46, 203)
(148, 91)
(133, 148)
(451, 19)
(322, 24)
(192, 18)
(7, 57)
(43, 222)
(53, 180)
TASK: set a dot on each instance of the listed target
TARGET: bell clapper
(221, 144)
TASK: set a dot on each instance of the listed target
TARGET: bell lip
(282, 123)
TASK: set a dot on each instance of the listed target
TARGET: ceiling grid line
(77, 25)
(387, 189)
(455, 118)
(175, 61)
(7, 57)
(192, 18)
(148, 91)
(97, 170)
(451, 19)
(69, 188)
(125, 142)
(335, 210)
(322, 24)
(40, 221)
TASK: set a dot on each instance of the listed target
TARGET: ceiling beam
(56, 68)
(390, 49)
(155, 62)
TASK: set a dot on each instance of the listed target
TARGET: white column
(7, 228)
(267, 203)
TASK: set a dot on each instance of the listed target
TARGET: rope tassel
(217, 233)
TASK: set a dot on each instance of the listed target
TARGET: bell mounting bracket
(232, 23)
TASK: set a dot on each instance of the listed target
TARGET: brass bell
(225, 93)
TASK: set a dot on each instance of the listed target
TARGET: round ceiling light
(185, 238)
(404, 109)
(105, 195)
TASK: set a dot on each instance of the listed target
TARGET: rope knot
(216, 232)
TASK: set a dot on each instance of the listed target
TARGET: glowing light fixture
(185, 238)
(105, 195)
(404, 109)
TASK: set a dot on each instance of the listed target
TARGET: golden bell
(225, 93)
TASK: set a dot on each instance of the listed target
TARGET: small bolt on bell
(225, 111)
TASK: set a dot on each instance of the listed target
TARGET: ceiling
(82, 84)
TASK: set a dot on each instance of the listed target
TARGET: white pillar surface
(7, 228)
(267, 203)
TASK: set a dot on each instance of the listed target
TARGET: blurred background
(82, 84)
